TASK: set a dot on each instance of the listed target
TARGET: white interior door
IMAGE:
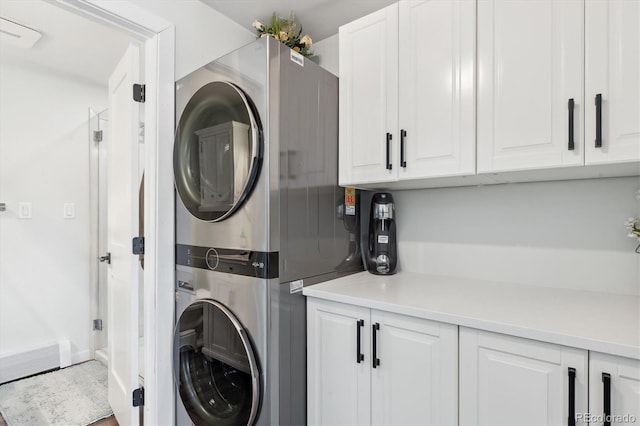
(122, 225)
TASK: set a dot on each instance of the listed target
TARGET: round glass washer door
(217, 151)
(215, 367)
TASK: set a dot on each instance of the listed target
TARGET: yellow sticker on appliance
(350, 201)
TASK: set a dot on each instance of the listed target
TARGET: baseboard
(34, 361)
(102, 357)
(30, 362)
(81, 356)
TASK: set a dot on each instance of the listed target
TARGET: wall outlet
(24, 210)
(69, 211)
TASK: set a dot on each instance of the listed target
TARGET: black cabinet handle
(359, 354)
(571, 421)
(403, 136)
(389, 137)
(374, 358)
(606, 384)
(599, 120)
(571, 142)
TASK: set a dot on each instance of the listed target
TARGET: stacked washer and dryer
(259, 214)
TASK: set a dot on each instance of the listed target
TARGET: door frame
(158, 36)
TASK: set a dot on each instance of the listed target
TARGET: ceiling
(318, 18)
(76, 46)
(70, 44)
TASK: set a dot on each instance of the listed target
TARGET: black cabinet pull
(403, 155)
(389, 137)
(571, 421)
(599, 120)
(606, 384)
(359, 354)
(374, 358)
(571, 142)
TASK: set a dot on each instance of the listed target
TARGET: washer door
(215, 367)
(217, 151)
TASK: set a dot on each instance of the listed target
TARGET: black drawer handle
(599, 120)
(606, 384)
(359, 354)
(375, 362)
(403, 152)
(389, 137)
(571, 421)
(571, 141)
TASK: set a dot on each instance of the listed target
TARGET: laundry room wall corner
(202, 34)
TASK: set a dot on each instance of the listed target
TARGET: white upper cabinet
(612, 78)
(459, 92)
(437, 81)
(530, 67)
(407, 93)
(368, 98)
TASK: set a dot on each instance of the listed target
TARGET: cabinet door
(416, 381)
(338, 387)
(530, 64)
(623, 382)
(507, 380)
(612, 71)
(369, 98)
(437, 82)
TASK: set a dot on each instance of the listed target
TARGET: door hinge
(139, 92)
(138, 245)
(97, 135)
(97, 324)
(138, 397)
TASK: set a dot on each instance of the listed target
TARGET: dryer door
(217, 151)
(215, 367)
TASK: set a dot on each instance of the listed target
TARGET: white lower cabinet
(506, 380)
(366, 366)
(614, 390)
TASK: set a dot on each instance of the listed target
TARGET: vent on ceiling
(17, 35)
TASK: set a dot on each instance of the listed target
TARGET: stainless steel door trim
(253, 365)
(246, 343)
(257, 149)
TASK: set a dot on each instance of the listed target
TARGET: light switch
(69, 211)
(24, 210)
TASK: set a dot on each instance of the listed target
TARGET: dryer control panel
(232, 261)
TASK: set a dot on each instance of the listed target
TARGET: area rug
(73, 396)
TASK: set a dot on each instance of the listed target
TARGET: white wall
(327, 50)
(202, 33)
(565, 234)
(44, 159)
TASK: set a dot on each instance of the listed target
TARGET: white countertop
(602, 322)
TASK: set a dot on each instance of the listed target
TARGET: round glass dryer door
(216, 155)
(215, 368)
